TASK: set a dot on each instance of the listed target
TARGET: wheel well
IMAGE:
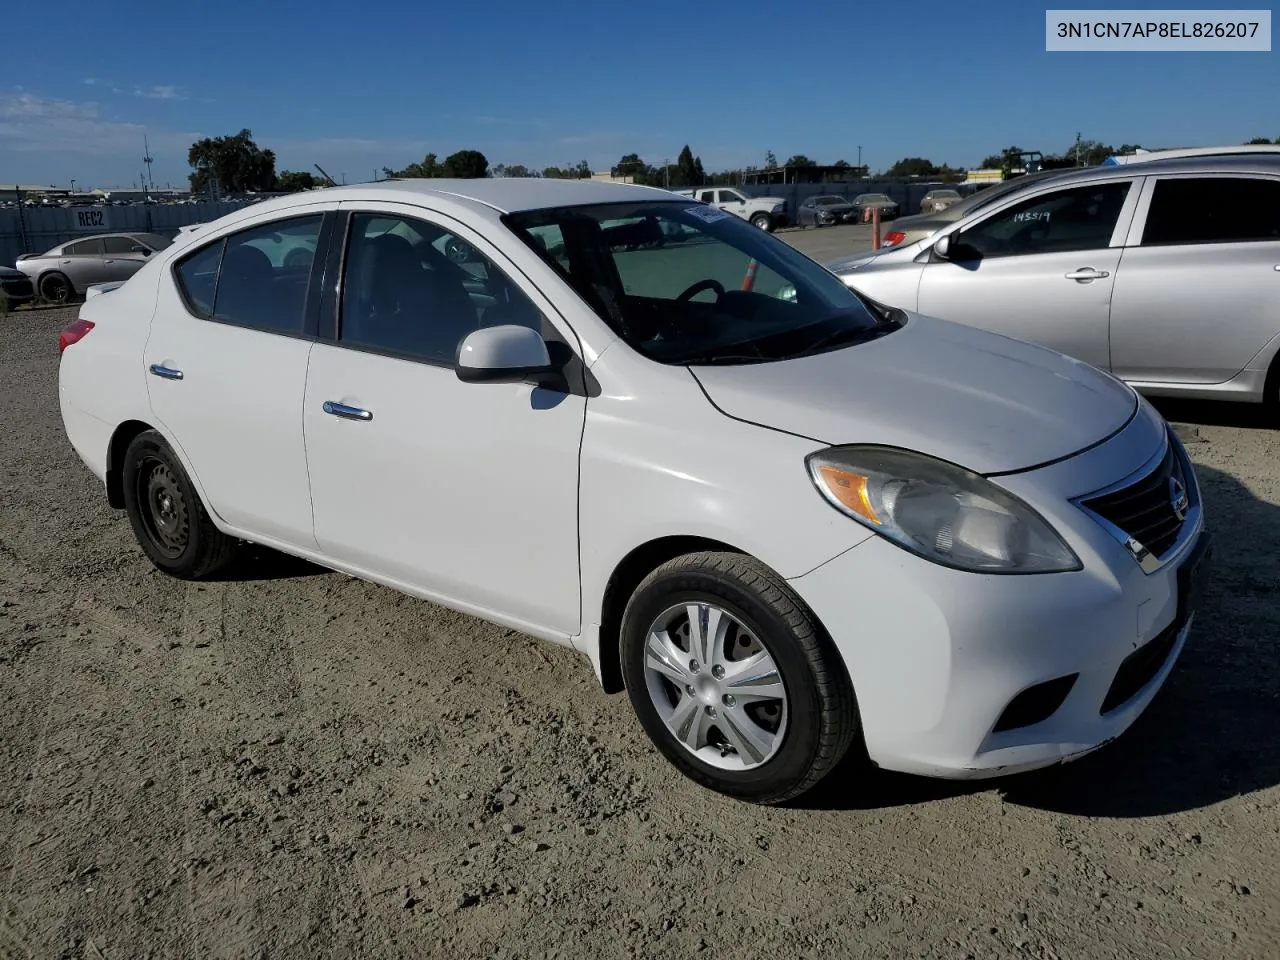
(52, 273)
(635, 566)
(1271, 385)
(120, 441)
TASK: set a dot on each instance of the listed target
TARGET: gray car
(1166, 273)
(64, 271)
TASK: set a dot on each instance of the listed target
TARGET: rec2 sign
(90, 218)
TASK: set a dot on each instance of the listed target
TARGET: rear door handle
(1088, 273)
(169, 373)
(335, 409)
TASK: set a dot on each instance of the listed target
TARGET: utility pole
(1077, 149)
(73, 184)
(859, 160)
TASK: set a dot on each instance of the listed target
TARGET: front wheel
(763, 221)
(169, 521)
(733, 680)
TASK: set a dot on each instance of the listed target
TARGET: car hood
(8, 273)
(986, 402)
(902, 252)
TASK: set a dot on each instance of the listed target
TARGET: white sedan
(785, 519)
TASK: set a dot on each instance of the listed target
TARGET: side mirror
(504, 354)
(145, 251)
(943, 248)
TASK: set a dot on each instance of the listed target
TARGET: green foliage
(466, 164)
(429, 167)
(799, 160)
(234, 164)
(770, 161)
(291, 181)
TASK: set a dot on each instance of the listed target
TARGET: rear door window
(256, 278)
(1213, 210)
(84, 248)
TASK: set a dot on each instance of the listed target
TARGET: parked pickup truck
(767, 213)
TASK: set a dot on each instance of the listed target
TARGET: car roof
(1235, 163)
(503, 194)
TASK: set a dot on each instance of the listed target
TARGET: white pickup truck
(767, 213)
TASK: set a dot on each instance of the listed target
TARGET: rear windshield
(689, 284)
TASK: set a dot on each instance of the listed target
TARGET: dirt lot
(292, 763)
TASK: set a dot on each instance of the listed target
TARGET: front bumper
(948, 666)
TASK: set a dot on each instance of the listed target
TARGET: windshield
(943, 194)
(874, 198)
(829, 201)
(688, 284)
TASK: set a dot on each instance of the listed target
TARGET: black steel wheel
(169, 521)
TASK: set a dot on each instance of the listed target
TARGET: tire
(55, 288)
(763, 221)
(794, 742)
(169, 521)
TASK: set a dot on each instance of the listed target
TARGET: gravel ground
(293, 763)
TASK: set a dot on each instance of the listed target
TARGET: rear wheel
(55, 288)
(733, 680)
(169, 521)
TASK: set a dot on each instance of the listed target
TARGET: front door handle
(335, 409)
(1088, 273)
(169, 373)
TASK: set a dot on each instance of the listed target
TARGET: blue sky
(355, 87)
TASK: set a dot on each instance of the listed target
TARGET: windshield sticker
(707, 214)
(1031, 215)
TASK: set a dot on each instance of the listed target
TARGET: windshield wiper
(846, 336)
(711, 359)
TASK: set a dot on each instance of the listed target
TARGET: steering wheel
(711, 283)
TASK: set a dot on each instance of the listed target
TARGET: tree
(700, 175)
(913, 167)
(291, 181)
(799, 160)
(233, 164)
(770, 161)
(842, 164)
(583, 170)
(685, 173)
(513, 170)
(1259, 140)
(429, 167)
(466, 164)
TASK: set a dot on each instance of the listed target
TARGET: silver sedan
(1166, 274)
(65, 270)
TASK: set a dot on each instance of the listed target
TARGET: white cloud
(160, 92)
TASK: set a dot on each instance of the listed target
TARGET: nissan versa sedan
(787, 520)
(1165, 273)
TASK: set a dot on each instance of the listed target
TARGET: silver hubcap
(715, 686)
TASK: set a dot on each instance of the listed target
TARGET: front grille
(16, 288)
(1145, 510)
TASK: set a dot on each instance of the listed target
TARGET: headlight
(939, 511)
(779, 207)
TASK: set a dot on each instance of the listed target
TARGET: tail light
(73, 334)
(892, 238)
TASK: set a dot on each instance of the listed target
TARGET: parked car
(767, 213)
(1164, 273)
(826, 210)
(15, 287)
(872, 201)
(65, 270)
(784, 525)
(936, 201)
